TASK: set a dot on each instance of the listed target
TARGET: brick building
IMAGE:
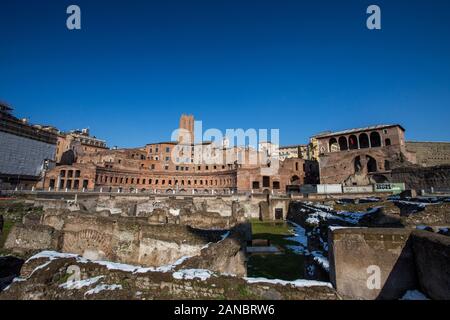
(75, 142)
(168, 167)
(362, 156)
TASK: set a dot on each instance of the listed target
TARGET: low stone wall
(423, 178)
(405, 261)
(26, 238)
(44, 279)
(432, 257)
(127, 240)
(356, 254)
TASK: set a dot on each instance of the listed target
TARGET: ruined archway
(89, 243)
(371, 164)
(67, 158)
(357, 164)
(295, 180)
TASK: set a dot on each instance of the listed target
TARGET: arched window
(333, 145)
(363, 141)
(343, 143)
(387, 142)
(352, 142)
(375, 139)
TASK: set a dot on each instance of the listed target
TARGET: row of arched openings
(354, 142)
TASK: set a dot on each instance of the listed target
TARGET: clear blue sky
(300, 66)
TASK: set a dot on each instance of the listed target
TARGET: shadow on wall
(402, 260)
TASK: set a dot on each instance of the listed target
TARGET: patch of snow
(414, 295)
(300, 237)
(190, 274)
(224, 236)
(321, 260)
(103, 287)
(320, 206)
(314, 221)
(348, 217)
(332, 228)
(78, 284)
(174, 212)
(52, 255)
(295, 283)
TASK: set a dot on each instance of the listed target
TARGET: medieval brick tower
(186, 133)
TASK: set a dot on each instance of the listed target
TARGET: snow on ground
(348, 217)
(332, 228)
(78, 284)
(52, 255)
(320, 206)
(414, 295)
(224, 236)
(320, 259)
(103, 287)
(190, 274)
(300, 237)
(295, 283)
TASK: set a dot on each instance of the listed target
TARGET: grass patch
(287, 265)
(8, 224)
(259, 227)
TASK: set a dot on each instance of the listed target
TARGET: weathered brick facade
(362, 156)
(169, 167)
